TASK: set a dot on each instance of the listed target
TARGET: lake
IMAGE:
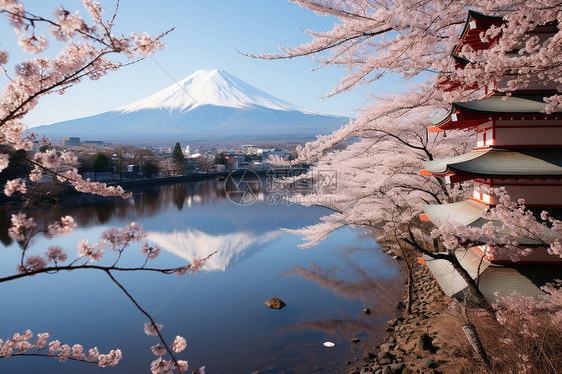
(221, 310)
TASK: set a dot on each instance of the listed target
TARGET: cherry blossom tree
(91, 50)
(379, 185)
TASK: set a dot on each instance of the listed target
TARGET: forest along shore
(422, 342)
(43, 194)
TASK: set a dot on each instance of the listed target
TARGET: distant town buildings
(275, 152)
(71, 141)
(249, 149)
(74, 141)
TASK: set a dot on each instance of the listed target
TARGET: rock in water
(275, 303)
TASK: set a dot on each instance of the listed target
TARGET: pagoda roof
(494, 281)
(470, 213)
(500, 163)
(467, 213)
(471, 32)
(473, 113)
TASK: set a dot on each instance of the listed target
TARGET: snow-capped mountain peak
(209, 87)
(206, 107)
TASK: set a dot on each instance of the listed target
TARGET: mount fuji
(209, 106)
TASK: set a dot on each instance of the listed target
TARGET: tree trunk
(475, 342)
(452, 258)
(410, 290)
(473, 339)
(472, 286)
(410, 283)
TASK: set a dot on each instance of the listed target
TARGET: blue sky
(207, 35)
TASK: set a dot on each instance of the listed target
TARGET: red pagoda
(518, 147)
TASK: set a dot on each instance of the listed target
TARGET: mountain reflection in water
(192, 244)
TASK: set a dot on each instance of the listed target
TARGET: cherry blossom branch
(152, 322)
(49, 355)
(20, 343)
(56, 269)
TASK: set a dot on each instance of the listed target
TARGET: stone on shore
(397, 368)
(424, 343)
(428, 363)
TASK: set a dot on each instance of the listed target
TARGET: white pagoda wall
(526, 132)
(536, 192)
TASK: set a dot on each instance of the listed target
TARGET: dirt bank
(430, 340)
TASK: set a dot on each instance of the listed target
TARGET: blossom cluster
(517, 223)
(15, 185)
(22, 227)
(86, 55)
(160, 365)
(114, 239)
(65, 226)
(20, 344)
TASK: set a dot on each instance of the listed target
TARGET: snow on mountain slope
(209, 87)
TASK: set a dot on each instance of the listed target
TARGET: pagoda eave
(475, 24)
(540, 163)
(470, 114)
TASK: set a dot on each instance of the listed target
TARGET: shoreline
(423, 342)
(44, 194)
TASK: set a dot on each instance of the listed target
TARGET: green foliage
(221, 159)
(149, 169)
(177, 156)
(101, 162)
(18, 166)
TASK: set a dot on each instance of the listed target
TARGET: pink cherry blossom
(152, 329)
(158, 350)
(134, 232)
(41, 340)
(14, 185)
(93, 354)
(21, 226)
(196, 265)
(77, 352)
(64, 353)
(182, 366)
(150, 251)
(179, 344)
(3, 161)
(160, 366)
(92, 251)
(54, 346)
(32, 263)
(56, 254)
(65, 226)
(110, 359)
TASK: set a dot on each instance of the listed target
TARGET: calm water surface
(220, 310)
